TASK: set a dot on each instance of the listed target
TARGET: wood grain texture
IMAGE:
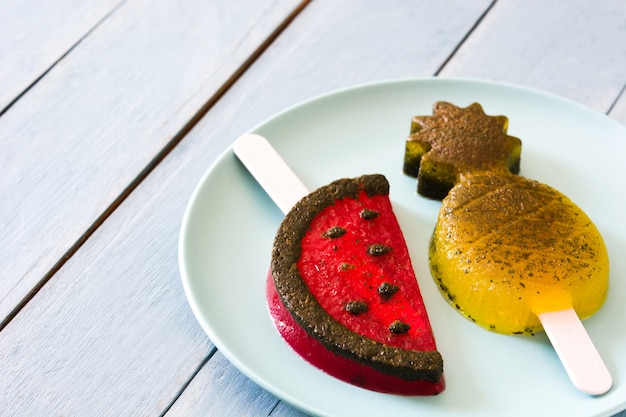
(35, 34)
(337, 44)
(575, 49)
(111, 334)
(222, 384)
(81, 136)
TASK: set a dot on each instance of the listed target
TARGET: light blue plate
(227, 234)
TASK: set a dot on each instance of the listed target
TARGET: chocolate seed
(344, 266)
(386, 290)
(367, 214)
(334, 232)
(356, 307)
(399, 327)
(378, 249)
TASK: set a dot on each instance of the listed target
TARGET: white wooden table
(111, 111)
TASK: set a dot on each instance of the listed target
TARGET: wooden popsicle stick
(568, 336)
(270, 170)
(577, 353)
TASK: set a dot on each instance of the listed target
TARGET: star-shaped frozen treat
(455, 141)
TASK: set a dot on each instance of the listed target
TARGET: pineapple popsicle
(505, 248)
(508, 253)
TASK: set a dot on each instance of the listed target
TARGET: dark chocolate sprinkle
(378, 249)
(368, 214)
(356, 307)
(344, 266)
(399, 327)
(334, 232)
(386, 290)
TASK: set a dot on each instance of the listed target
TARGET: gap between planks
(160, 156)
(188, 382)
(467, 35)
(619, 96)
(55, 63)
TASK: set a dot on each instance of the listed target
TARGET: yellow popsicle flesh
(506, 248)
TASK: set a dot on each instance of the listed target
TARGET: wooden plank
(118, 301)
(111, 334)
(224, 392)
(35, 34)
(354, 42)
(75, 141)
(573, 49)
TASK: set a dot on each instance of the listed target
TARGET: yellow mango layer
(506, 248)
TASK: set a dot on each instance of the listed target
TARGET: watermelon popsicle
(358, 314)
